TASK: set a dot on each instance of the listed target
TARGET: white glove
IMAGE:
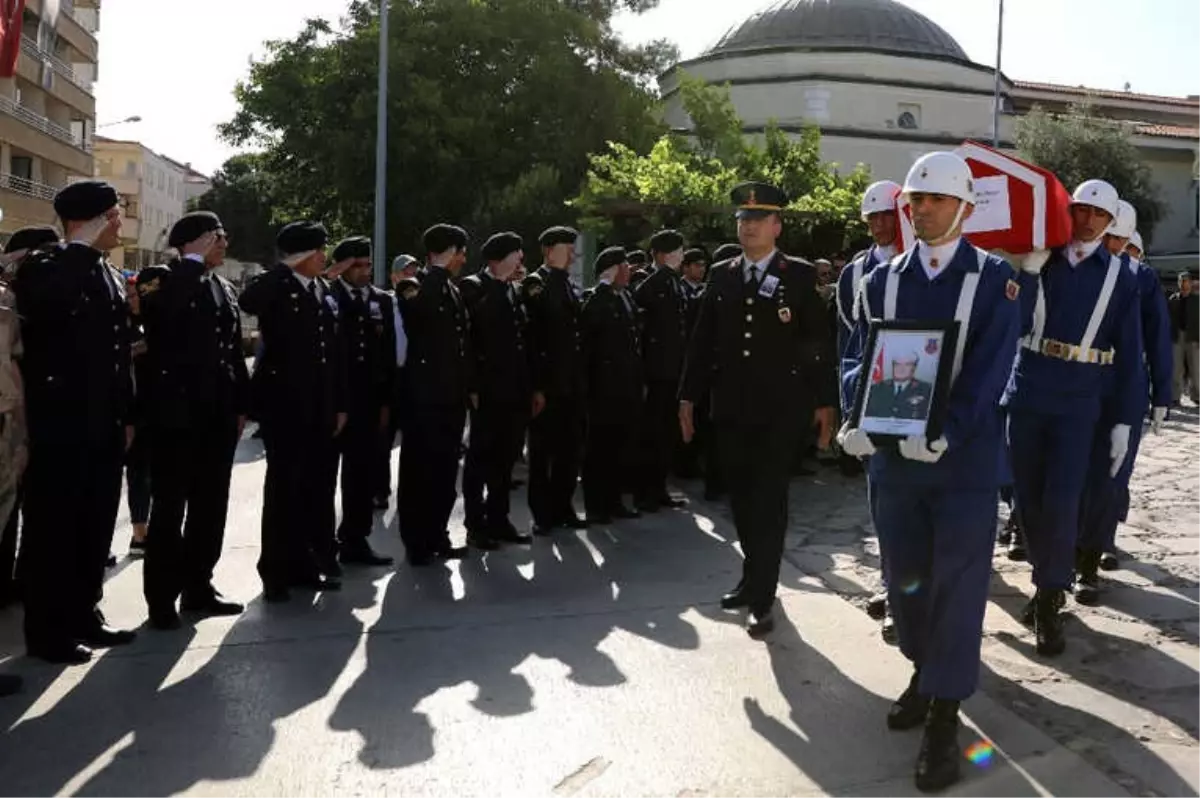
(915, 447)
(1157, 416)
(1120, 447)
(855, 442)
(1034, 261)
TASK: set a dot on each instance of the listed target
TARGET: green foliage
(1079, 146)
(684, 181)
(493, 106)
(241, 195)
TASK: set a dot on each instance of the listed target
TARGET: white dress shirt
(760, 267)
(935, 259)
(1079, 251)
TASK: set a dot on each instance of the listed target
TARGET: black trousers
(137, 477)
(607, 459)
(360, 444)
(72, 492)
(382, 479)
(298, 504)
(756, 459)
(660, 435)
(497, 432)
(428, 477)
(190, 470)
(9, 580)
(555, 443)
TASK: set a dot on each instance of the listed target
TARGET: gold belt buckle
(1054, 348)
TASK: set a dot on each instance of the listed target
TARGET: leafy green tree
(493, 108)
(684, 181)
(1079, 145)
(241, 195)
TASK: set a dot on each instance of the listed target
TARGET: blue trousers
(1106, 498)
(872, 505)
(1050, 462)
(937, 545)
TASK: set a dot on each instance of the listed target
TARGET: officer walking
(1106, 497)
(557, 372)
(195, 399)
(935, 498)
(664, 338)
(440, 384)
(79, 398)
(615, 388)
(498, 343)
(370, 331)
(762, 347)
(693, 272)
(1085, 323)
(299, 395)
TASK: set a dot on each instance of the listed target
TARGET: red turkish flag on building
(12, 13)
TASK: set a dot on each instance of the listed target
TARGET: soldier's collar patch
(1012, 289)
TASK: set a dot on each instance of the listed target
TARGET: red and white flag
(12, 13)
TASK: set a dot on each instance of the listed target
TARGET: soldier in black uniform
(638, 269)
(195, 396)
(664, 333)
(298, 393)
(557, 372)
(502, 378)
(615, 388)
(79, 402)
(693, 272)
(405, 283)
(440, 383)
(369, 329)
(762, 347)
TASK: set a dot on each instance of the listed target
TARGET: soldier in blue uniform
(196, 396)
(298, 391)
(1085, 334)
(1106, 497)
(440, 384)
(935, 500)
(370, 327)
(502, 378)
(75, 326)
(762, 350)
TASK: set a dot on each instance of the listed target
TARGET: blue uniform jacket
(868, 259)
(1156, 334)
(1043, 384)
(973, 425)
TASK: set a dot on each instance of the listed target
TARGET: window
(104, 167)
(131, 168)
(908, 116)
(132, 210)
(21, 166)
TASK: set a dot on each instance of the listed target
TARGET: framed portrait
(906, 375)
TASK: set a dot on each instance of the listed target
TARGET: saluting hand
(687, 428)
(202, 245)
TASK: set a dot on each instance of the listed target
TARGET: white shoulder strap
(1102, 302)
(962, 314)
(891, 287)
(856, 276)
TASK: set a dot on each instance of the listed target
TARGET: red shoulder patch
(1012, 290)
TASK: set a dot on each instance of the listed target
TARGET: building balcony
(25, 202)
(70, 30)
(37, 135)
(56, 77)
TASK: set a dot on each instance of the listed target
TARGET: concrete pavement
(600, 664)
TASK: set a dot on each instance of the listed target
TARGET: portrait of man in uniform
(899, 394)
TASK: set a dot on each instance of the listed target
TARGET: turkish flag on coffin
(1019, 207)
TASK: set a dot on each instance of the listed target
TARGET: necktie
(215, 287)
(752, 272)
(312, 291)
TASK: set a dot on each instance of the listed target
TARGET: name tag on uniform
(331, 302)
(769, 285)
(375, 311)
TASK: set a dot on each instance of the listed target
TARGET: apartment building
(48, 111)
(154, 193)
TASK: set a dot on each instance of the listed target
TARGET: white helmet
(1135, 240)
(941, 173)
(1124, 224)
(880, 197)
(1098, 194)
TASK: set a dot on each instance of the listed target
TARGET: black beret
(300, 237)
(191, 226)
(613, 256)
(637, 258)
(695, 255)
(755, 200)
(85, 200)
(31, 238)
(353, 247)
(501, 245)
(442, 237)
(727, 252)
(557, 235)
(666, 241)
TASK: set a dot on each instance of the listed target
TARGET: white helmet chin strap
(951, 233)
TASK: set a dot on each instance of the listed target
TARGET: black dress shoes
(507, 533)
(452, 553)
(319, 583)
(761, 621)
(910, 709)
(877, 606)
(938, 762)
(1048, 623)
(734, 600)
(63, 653)
(667, 500)
(10, 684)
(543, 530)
(361, 553)
(381, 501)
(1109, 561)
(482, 542)
(572, 521)
(101, 635)
(419, 559)
(212, 604)
(165, 620)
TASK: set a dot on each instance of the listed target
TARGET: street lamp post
(379, 250)
(126, 120)
(996, 89)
